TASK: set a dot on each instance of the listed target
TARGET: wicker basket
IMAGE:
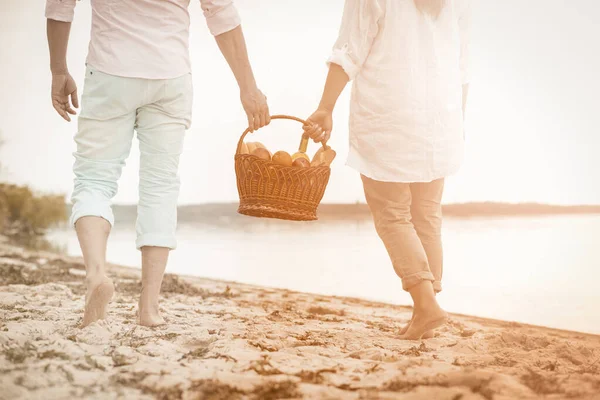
(270, 190)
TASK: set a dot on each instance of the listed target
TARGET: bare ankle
(94, 278)
(148, 306)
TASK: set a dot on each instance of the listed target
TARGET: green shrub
(22, 213)
(3, 213)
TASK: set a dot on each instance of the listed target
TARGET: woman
(409, 63)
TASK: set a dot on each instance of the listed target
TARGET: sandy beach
(234, 341)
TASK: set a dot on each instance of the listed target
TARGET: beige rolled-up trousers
(408, 219)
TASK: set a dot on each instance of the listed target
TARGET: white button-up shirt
(406, 119)
(144, 38)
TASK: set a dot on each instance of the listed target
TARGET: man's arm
(224, 23)
(233, 47)
(58, 41)
(58, 27)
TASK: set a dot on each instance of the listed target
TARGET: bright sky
(532, 118)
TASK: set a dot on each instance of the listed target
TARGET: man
(137, 78)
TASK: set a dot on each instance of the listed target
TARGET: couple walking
(408, 60)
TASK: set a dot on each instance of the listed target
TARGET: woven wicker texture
(270, 190)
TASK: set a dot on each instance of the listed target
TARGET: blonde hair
(430, 7)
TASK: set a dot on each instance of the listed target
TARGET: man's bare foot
(99, 294)
(148, 313)
(424, 322)
(427, 335)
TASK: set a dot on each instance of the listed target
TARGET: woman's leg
(426, 211)
(161, 127)
(390, 206)
(427, 313)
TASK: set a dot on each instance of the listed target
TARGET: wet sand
(233, 341)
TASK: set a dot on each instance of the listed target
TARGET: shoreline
(213, 213)
(371, 302)
(227, 340)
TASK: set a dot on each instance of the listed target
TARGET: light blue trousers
(112, 109)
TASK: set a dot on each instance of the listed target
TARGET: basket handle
(303, 122)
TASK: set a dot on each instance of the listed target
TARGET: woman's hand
(320, 124)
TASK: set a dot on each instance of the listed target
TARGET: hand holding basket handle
(319, 126)
(302, 144)
(271, 190)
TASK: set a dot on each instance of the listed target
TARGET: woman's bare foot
(427, 335)
(424, 322)
(99, 293)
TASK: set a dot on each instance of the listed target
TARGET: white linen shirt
(144, 38)
(406, 118)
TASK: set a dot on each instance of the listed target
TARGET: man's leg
(161, 128)
(92, 233)
(154, 263)
(426, 211)
(390, 206)
(105, 131)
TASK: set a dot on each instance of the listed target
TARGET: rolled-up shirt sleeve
(360, 25)
(60, 10)
(464, 26)
(221, 15)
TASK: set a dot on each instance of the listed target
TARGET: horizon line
(359, 203)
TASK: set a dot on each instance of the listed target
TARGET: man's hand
(63, 87)
(256, 108)
(233, 47)
(320, 124)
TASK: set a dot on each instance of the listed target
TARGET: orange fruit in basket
(300, 155)
(282, 158)
(301, 162)
(260, 145)
(261, 153)
(251, 146)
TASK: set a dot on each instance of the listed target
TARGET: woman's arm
(464, 26)
(321, 121)
(336, 81)
(360, 25)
